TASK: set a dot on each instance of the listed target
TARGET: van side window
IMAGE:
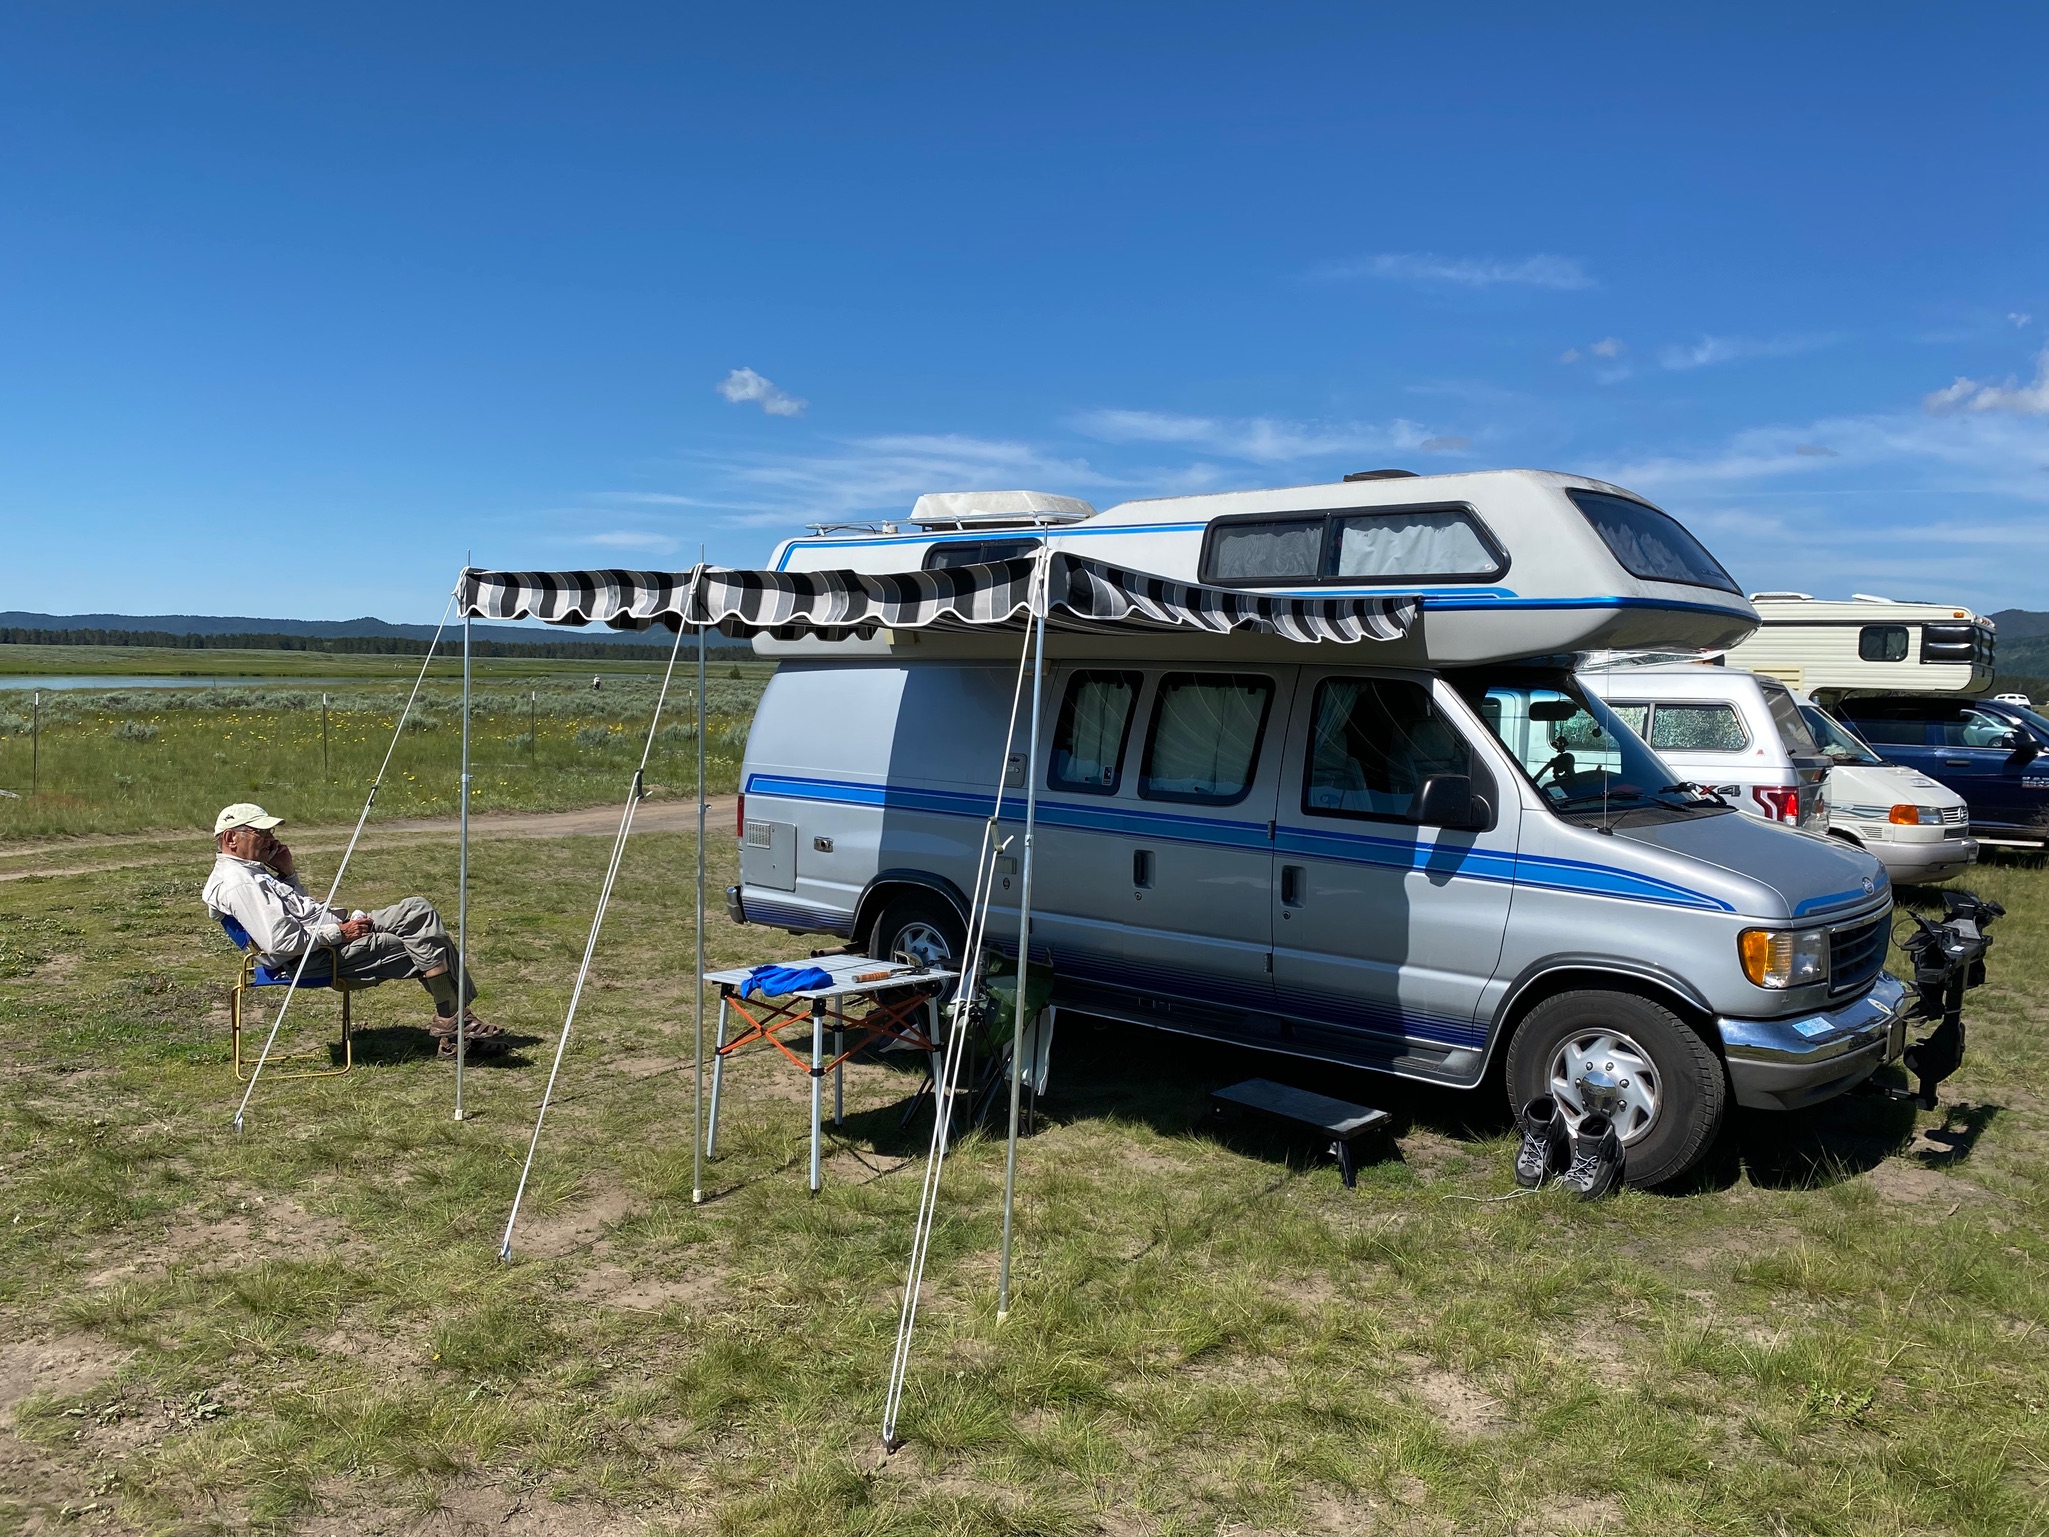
(1441, 543)
(1697, 728)
(1412, 542)
(1088, 743)
(1976, 729)
(949, 554)
(1882, 643)
(1266, 548)
(1894, 732)
(1651, 544)
(1203, 745)
(1372, 743)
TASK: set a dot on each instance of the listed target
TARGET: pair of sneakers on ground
(1586, 1159)
(479, 1039)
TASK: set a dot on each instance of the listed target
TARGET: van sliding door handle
(1142, 869)
(1291, 885)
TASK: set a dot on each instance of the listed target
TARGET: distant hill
(333, 629)
(2019, 624)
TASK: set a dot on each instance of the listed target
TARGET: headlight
(1915, 816)
(1781, 958)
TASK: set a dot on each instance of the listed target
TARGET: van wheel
(1672, 1089)
(923, 927)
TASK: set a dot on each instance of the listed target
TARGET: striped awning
(1082, 595)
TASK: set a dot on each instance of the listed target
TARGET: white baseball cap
(243, 814)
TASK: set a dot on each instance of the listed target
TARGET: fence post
(35, 747)
(533, 738)
(325, 771)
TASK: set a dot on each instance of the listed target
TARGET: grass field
(113, 761)
(1839, 1329)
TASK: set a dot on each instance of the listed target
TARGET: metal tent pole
(1024, 932)
(697, 1052)
(462, 875)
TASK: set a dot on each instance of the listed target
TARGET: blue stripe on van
(1839, 899)
(1544, 873)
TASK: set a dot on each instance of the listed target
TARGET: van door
(1156, 809)
(1380, 924)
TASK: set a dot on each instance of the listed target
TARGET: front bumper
(1785, 1064)
(1910, 864)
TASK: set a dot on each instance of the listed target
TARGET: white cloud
(1450, 443)
(1975, 395)
(1541, 271)
(744, 384)
(2018, 320)
(1257, 439)
(1710, 350)
(1608, 347)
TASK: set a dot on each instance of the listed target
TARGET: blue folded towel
(780, 981)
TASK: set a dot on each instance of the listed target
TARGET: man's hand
(353, 929)
(280, 859)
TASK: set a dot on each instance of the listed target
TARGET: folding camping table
(855, 979)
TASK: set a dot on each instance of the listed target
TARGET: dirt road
(75, 856)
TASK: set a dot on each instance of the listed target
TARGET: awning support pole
(697, 1051)
(635, 794)
(462, 877)
(1024, 929)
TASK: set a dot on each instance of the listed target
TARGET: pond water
(53, 684)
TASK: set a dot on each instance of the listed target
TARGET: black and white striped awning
(1082, 595)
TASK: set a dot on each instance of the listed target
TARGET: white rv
(1423, 853)
(1867, 645)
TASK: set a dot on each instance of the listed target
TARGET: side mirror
(1447, 800)
(2022, 743)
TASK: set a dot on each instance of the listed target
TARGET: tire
(925, 924)
(1678, 1089)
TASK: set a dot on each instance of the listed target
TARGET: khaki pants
(408, 941)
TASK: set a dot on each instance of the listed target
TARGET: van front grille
(1855, 953)
(1956, 816)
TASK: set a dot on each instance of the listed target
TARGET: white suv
(1918, 829)
(1736, 733)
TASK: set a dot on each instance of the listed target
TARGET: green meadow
(1837, 1329)
(120, 760)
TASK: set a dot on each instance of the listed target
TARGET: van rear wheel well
(893, 885)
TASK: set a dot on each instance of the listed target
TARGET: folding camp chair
(320, 974)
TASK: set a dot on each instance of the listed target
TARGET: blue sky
(298, 305)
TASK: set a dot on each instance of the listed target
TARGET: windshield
(1577, 751)
(2037, 724)
(1837, 741)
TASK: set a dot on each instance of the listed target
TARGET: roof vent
(1866, 597)
(1382, 475)
(982, 508)
(1804, 597)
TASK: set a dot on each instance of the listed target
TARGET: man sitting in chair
(256, 883)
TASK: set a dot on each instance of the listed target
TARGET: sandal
(488, 1046)
(474, 1029)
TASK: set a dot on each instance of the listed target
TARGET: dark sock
(443, 989)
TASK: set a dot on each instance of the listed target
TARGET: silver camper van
(1423, 855)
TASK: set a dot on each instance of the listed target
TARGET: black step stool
(1343, 1123)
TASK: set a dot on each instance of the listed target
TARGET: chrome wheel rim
(1620, 1058)
(924, 943)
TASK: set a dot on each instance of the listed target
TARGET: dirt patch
(1899, 1180)
(1568, 1515)
(68, 1366)
(639, 1291)
(265, 1227)
(579, 1225)
(1453, 1402)
(473, 1507)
